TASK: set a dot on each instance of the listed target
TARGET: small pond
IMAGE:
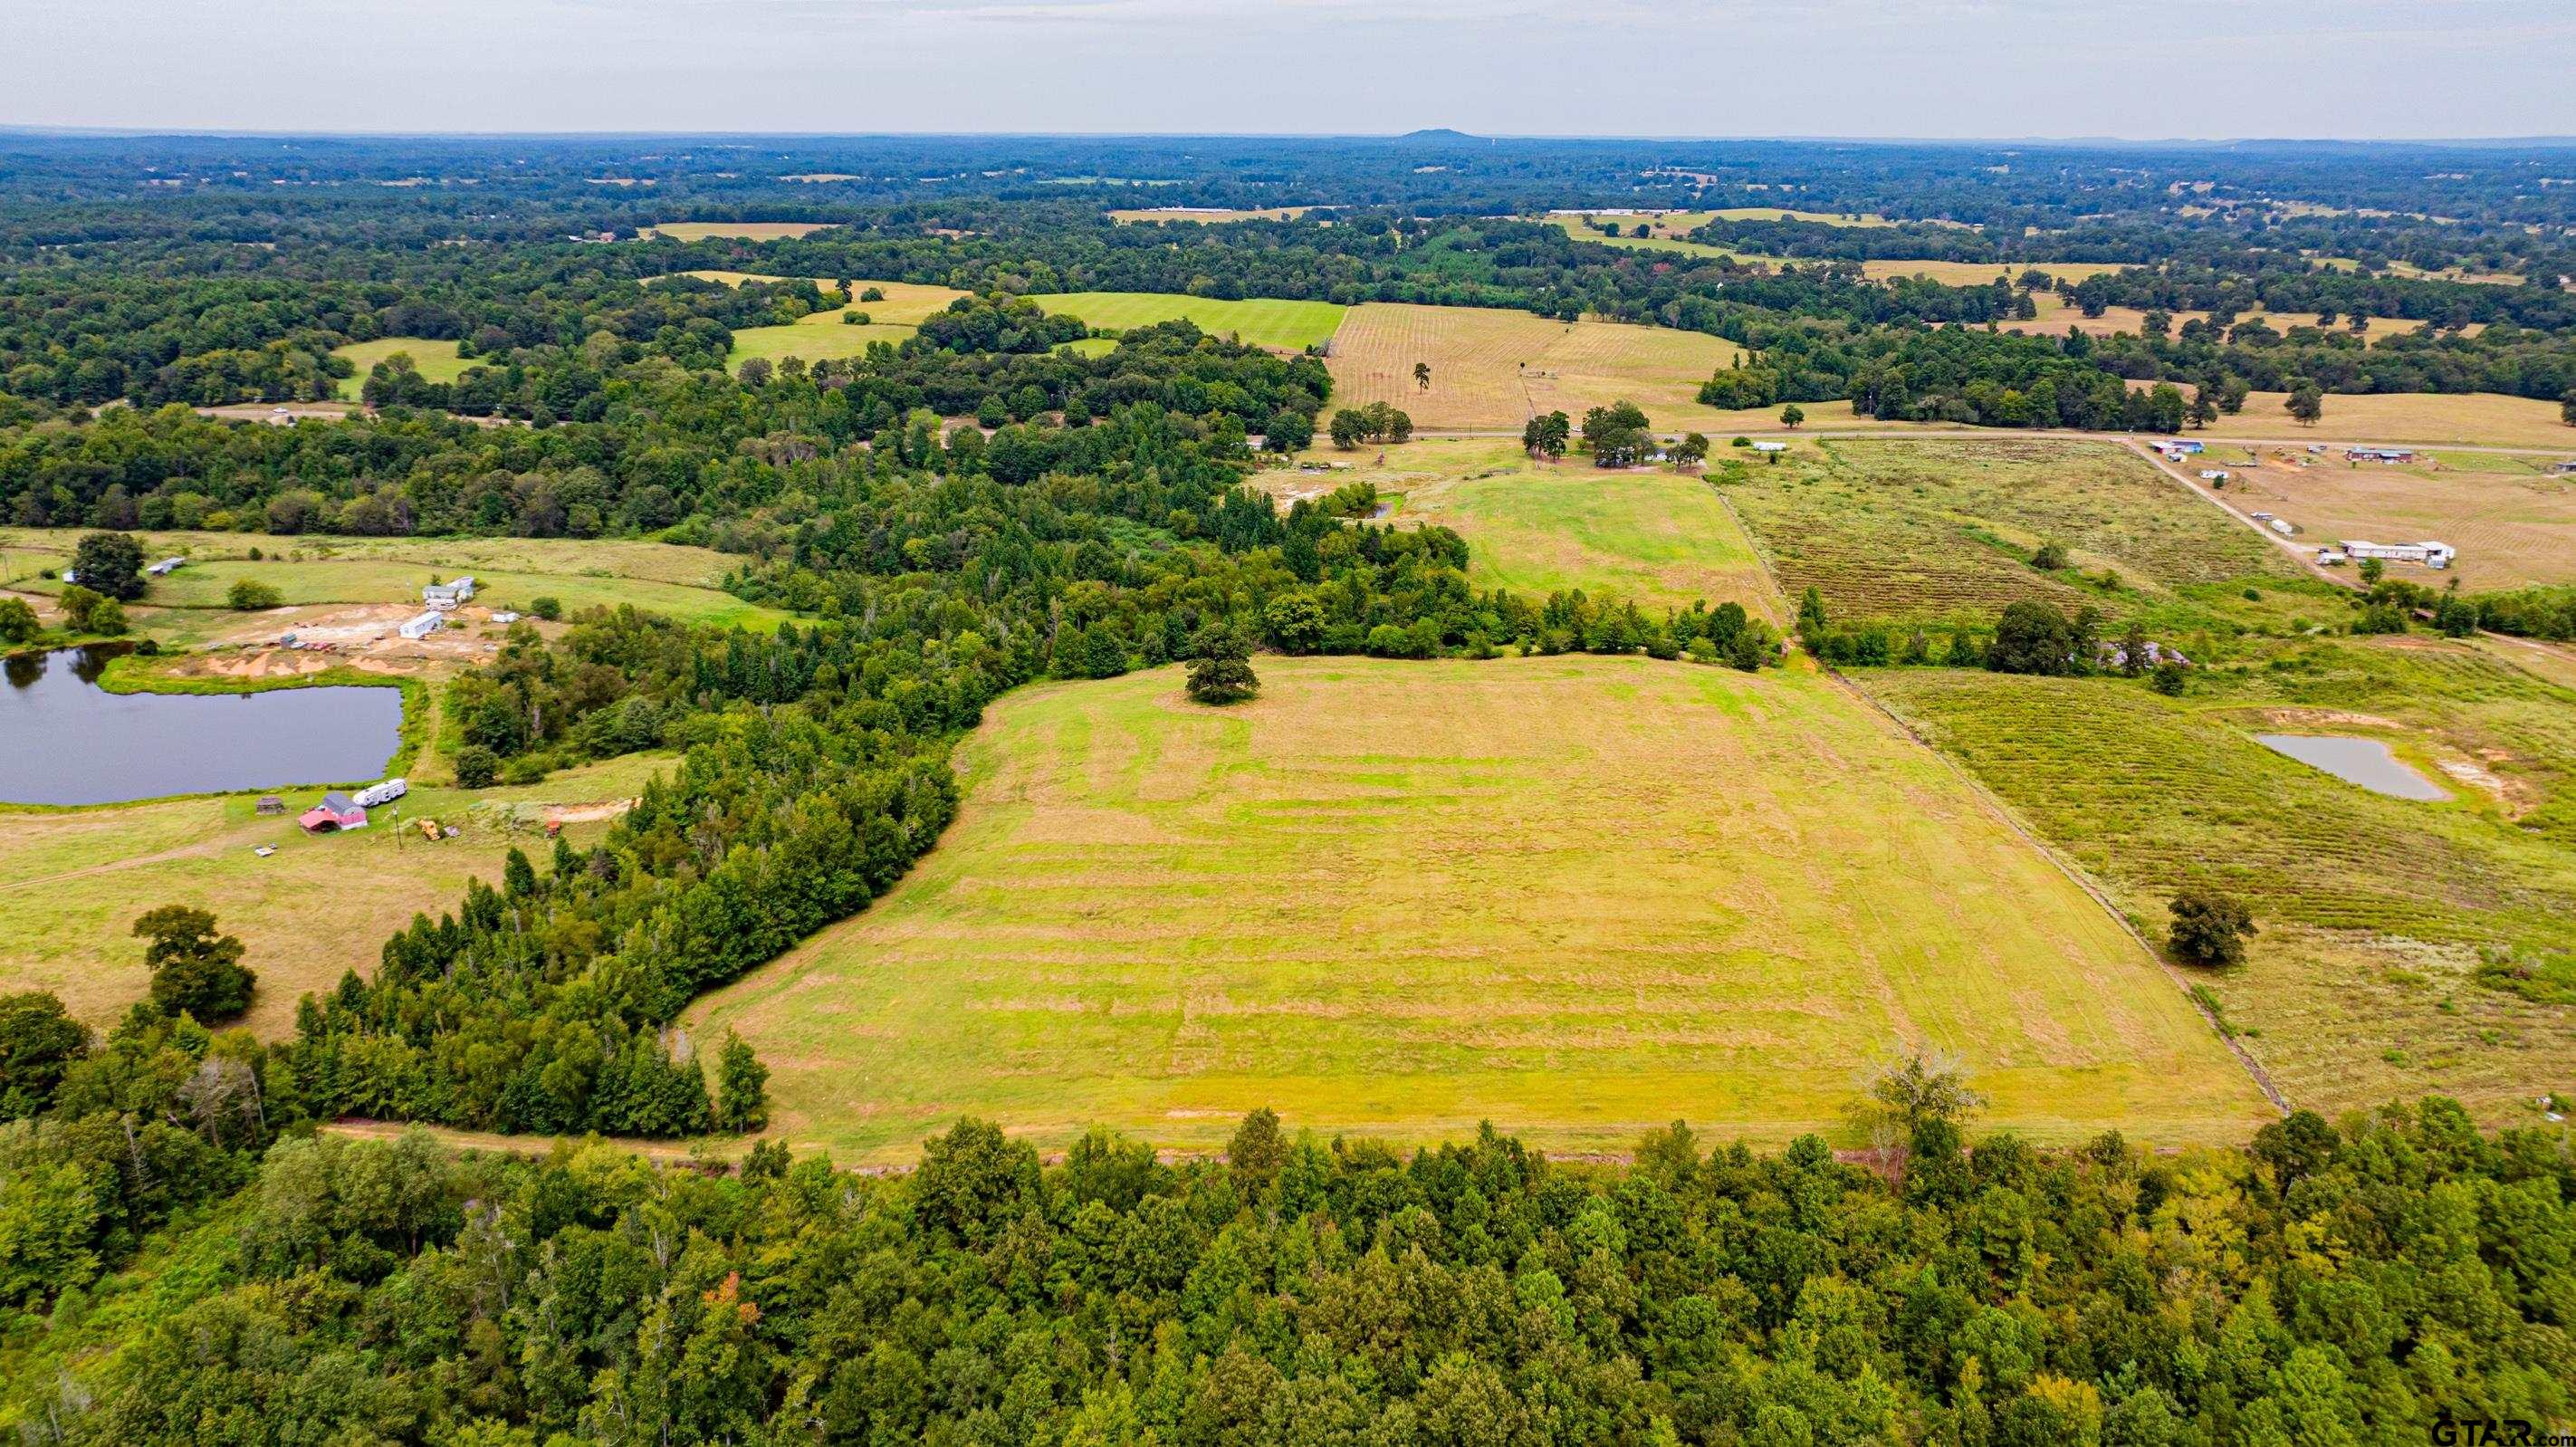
(2366, 762)
(65, 740)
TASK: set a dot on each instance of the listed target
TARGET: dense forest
(2386, 1280)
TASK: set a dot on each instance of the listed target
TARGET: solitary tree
(110, 564)
(2307, 403)
(742, 1087)
(18, 622)
(2209, 928)
(193, 969)
(1792, 415)
(1925, 1086)
(1422, 375)
(37, 1042)
(250, 595)
(1221, 668)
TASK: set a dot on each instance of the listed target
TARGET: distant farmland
(1656, 537)
(1206, 216)
(1492, 368)
(1261, 322)
(1571, 896)
(2513, 524)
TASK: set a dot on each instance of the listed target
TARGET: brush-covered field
(2377, 915)
(72, 882)
(511, 572)
(1934, 530)
(1290, 326)
(1572, 896)
(1654, 536)
(435, 360)
(2475, 419)
(1492, 369)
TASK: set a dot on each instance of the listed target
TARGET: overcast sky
(1932, 68)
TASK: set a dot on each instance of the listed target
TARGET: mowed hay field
(1493, 369)
(1935, 530)
(1289, 326)
(2374, 913)
(1573, 896)
(435, 360)
(905, 303)
(1653, 536)
(2475, 419)
(72, 882)
(2513, 527)
(512, 572)
(734, 230)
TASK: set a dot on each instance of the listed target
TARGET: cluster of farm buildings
(2429, 553)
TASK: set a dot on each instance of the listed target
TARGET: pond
(2366, 762)
(65, 740)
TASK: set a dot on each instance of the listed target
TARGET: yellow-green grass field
(1133, 216)
(1983, 273)
(1492, 369)
(73, 880)
(1575, 897)
(2375, 914)
(579, 572)
(1933, 530)
(435, 360)
(1656, 537)
(2477, 419)
(1670, 232)
(733, 230)
(814, 338)
(2513, 524)
(1259, 321)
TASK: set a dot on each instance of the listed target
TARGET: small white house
(2213, 474)
(1770, 446)
(505, 616)
(166, 567)
(2282, 526)
(2331, 558)
(424, 625)
(444, 596)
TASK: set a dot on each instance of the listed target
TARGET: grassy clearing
(436, 360)
(2475, 419)
(733, 230)
(1983, 273)
(72, 881)
(1656, 537)
(1492, 369)
(813, 338)
(1260, 321)
(318, 570)
(2513, 524)
(2056, 315)
(1927, 531)
(2375, 913)
(1572, 896)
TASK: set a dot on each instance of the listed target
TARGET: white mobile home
(424, 625)
(444, 596)
(2430, 554)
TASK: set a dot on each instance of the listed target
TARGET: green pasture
(1260, 322)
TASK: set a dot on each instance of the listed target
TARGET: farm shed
(337, 811)
(424, 625)
(271, 804)
(2379, 454)
(1770, 446)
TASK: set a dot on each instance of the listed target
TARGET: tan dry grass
(1494, 369)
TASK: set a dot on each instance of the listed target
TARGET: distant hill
(1436, 135)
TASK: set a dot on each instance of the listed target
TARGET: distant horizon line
(68, 130)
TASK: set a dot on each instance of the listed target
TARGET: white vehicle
(385, 793)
